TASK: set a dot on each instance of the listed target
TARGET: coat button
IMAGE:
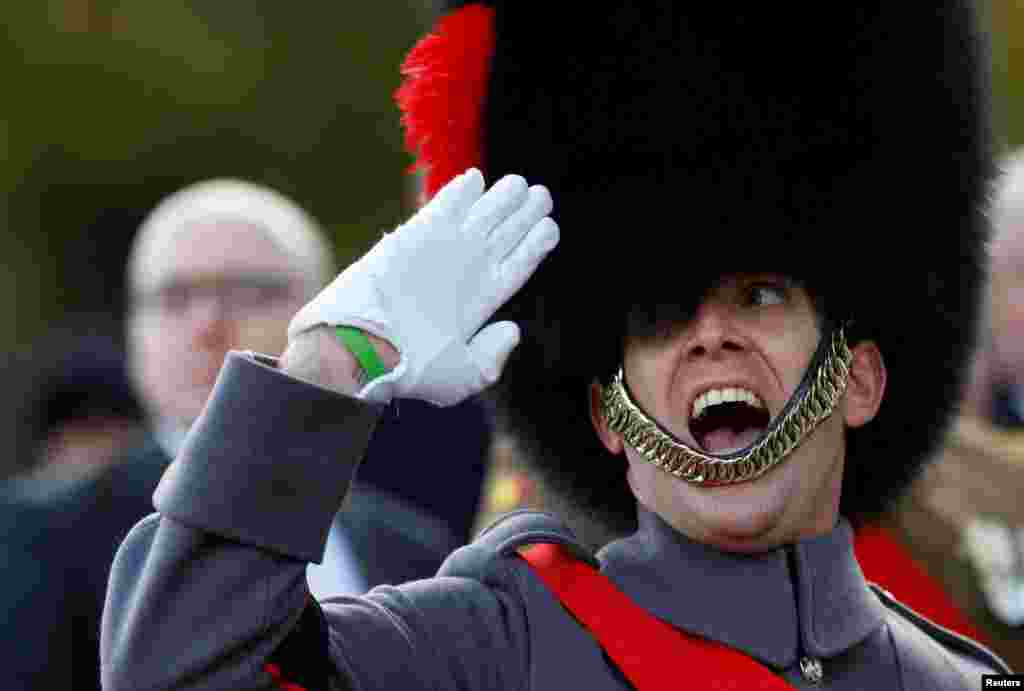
(812, 670)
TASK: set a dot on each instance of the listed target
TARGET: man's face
(202, 290)
(750, 341)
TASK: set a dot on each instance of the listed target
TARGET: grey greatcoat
(206, 593)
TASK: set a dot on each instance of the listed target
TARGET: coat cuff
(269, 461)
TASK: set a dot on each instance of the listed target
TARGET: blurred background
(109, 106)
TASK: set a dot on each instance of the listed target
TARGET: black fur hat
(846, 145)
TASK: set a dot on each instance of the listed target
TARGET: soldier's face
(749, 344)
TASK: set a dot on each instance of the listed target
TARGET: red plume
(442, 96)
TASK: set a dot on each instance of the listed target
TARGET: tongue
(725, 439)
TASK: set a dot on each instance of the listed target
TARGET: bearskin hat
(846, 146)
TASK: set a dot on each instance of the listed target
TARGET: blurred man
(219, 265)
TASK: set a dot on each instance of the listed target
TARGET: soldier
(739, 350)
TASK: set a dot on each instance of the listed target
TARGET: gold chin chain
(659, 447)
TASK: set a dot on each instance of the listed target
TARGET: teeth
(731, 395)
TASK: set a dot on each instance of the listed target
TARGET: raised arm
(211, 593)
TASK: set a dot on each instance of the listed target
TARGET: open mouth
(726, 420)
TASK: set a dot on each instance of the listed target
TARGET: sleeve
(211, 592)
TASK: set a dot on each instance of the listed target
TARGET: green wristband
(363, 351)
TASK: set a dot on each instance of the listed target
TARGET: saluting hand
(429, 287)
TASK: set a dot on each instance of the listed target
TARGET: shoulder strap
(650, 653)
(506, 536)
(951, 639)
(888, 562)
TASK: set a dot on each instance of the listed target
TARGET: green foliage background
(1004, 21)
(108, 106)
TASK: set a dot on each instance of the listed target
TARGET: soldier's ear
(866, 386)
(611, 440)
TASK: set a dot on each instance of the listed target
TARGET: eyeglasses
(237, 295)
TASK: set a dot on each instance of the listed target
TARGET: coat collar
(809, 598)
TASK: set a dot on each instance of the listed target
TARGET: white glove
(430, 285)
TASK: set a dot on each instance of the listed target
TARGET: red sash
(652, 654)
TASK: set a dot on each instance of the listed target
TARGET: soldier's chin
(745, 517)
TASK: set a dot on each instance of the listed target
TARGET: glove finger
(509, 234)
(526, 257)
(500, 202)
(455, 199)
(490, 349)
